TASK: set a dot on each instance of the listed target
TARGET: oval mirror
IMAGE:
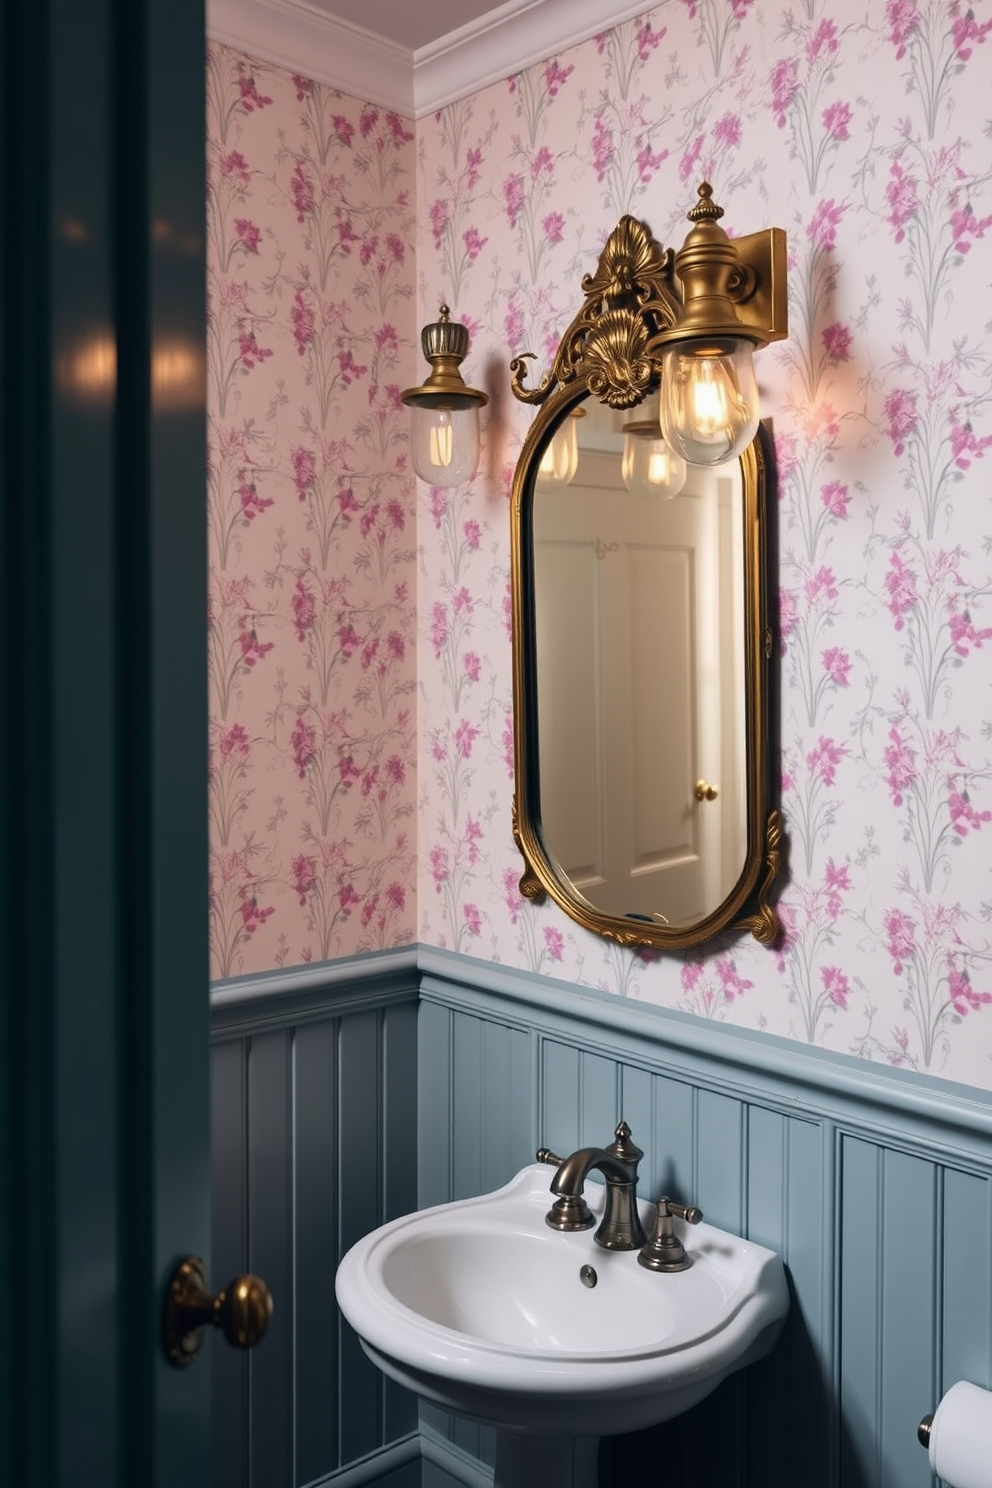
(641, 652)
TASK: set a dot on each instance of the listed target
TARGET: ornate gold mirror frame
(611, 352)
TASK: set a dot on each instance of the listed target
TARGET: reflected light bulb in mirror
(650, 468)
(444, 444)
(709, 399)
(561, 457)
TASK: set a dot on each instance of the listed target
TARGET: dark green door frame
(103, 894)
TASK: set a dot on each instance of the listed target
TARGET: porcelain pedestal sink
(481, 1308)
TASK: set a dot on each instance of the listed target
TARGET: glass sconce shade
(561, 455)
(444, 443)
(709, 399)
(650, 467)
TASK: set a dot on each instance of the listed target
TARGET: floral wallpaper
(354, 635)
(865, 132)
(312, 603)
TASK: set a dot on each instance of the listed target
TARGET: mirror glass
(639, 678)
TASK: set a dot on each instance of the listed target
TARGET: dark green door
(103, 893)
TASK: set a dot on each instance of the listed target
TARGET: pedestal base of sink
(546, 1461)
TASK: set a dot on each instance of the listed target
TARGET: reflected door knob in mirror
(706, 792)
(242, 1312)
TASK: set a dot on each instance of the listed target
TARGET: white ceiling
(411, 55)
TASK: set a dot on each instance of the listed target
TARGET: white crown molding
(512, 36)
(305, 40)
(506, 40)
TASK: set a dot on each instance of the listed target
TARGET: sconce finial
(706, 209)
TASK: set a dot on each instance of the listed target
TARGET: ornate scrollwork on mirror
(642, 644)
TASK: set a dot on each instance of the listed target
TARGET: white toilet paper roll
(961, 1437)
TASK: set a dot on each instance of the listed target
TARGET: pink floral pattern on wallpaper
(865, 135)
(312, 621)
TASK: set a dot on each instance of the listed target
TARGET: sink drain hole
(588, 1277)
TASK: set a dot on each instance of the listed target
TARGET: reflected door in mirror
(640, 690)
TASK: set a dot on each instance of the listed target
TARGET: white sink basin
(481, 1308)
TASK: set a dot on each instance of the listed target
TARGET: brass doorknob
(705, 792)
(242, 1312)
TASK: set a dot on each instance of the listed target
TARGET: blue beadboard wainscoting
(351, 1092)
(314, 1143)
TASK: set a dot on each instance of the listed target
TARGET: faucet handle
(665, 1251)
(688, 1212)
(545, 1155)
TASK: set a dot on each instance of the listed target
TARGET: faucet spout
(620, 1227)
(573, 1172)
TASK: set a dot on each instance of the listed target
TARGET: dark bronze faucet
(620, 1227)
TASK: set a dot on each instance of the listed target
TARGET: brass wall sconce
(733, 299)
(444, 445)
(701, 313)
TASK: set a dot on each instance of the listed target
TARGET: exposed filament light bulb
(709, 399)
(659, 465)
(710, 411)
(442, 442)
(650, 468)
(560, 460)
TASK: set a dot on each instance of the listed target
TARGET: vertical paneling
(561, 1116)
(581, 1097)
(720, 1191)
(314, 1143)
(966, 1342)
(769, 1205)
(508, 1138)
(483, 1068)
(229, 1258)
(720, 1171)
(910, 1281)
(860, 1294)
(670, 1151)
(599, 1095)
(789, 1175)
(469, 1106)
(316, 1241)
(399, 1093)
(399, 1194)
(434, 1121)
(360, 1388)
(270, 1255)
(889, 1311)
